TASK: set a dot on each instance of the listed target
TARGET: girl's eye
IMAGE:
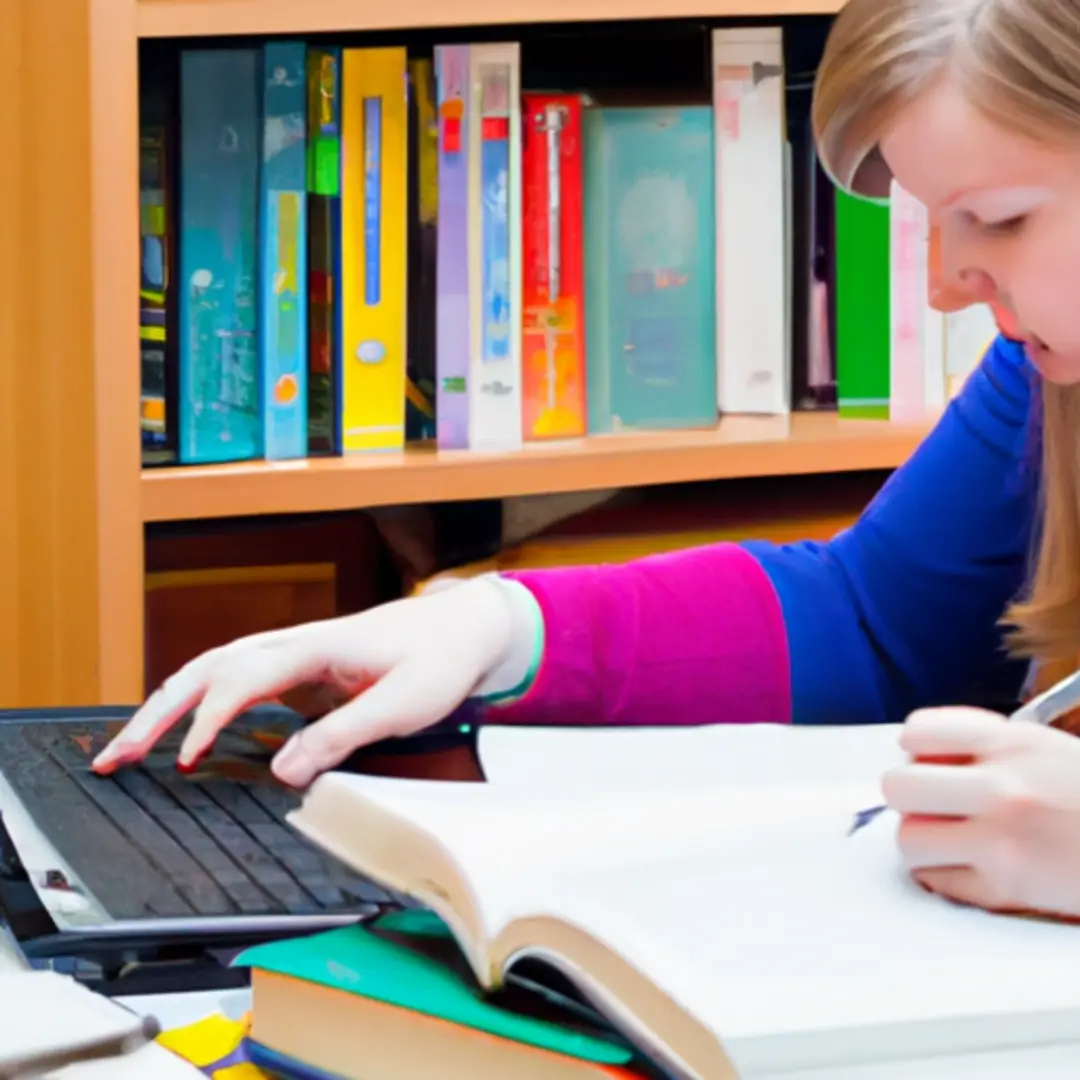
(1006, 227)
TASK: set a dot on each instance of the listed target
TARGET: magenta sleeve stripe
(690, 637)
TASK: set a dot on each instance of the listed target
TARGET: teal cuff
(536, 617)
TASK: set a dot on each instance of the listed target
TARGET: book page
(506, 839)
(794, 940)
(720, 755)
(802, 946)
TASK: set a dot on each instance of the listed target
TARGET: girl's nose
(979, 286)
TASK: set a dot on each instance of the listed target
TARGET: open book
(730, 931)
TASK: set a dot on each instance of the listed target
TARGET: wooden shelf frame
(73, 499)
(71, 582)
(195, 18)
(738, 447)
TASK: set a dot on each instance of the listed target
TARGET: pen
(91, 1050)
(1044, 708)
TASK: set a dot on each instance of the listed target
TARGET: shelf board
(739, 446)
(201, 18)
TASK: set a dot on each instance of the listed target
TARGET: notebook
(47, 1016)
(729, 932)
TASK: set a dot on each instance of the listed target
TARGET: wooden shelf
(738, 447)
(201, 18)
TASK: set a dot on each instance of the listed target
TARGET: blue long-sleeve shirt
(902, 609)
(899, 611)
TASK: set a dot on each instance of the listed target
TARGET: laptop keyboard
(149, 842)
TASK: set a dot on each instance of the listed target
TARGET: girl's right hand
(397, 668)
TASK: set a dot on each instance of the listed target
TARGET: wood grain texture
(739, 446)
(71, 556)
(182, 18)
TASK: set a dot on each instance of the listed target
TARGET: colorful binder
(553, 286)
(494, 151)
(374, 262)
(219, 413)
(283, 273)
(324, 250)
(452, 320)
(650, 269)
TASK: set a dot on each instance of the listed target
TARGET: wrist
(515, 670)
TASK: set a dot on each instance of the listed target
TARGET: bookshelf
(740, 446)
(73, 498)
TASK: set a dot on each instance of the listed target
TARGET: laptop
(127, 878)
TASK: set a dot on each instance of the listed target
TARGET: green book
(863, 338)
(409, 964)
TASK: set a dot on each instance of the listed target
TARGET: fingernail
(188, 762)
(293, 765)
(108, 759)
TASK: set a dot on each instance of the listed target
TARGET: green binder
(863, 336)
(359, 961)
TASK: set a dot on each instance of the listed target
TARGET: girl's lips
(1009, 326)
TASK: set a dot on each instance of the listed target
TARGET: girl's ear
(873, 179)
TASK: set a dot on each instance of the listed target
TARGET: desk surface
(1039, 1063)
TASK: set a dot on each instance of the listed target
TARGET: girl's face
(1009, 214)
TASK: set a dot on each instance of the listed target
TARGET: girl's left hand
(990, 811)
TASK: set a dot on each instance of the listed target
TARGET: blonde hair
(1017, 62)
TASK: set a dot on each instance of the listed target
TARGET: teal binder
(219, 406)
(650, 267)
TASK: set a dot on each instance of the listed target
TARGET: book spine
(753, 355)
(374, 262)
(598, 210)
(494, 383)
(656, 211)
(154, 285)
(821, 358)
(219, 414)
(423, 222)
(283, 273)
(861, 307)
(935, 378)
(452, 326)
(324, 250)
(553, 292)
(907, 293)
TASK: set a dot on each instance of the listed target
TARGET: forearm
(692, 637)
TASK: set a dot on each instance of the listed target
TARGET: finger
(934, 843)
(952, 732)
(398, 703)
(180, 693)
(964, 884)
(246, 680)
(939, 790)
(171, 701)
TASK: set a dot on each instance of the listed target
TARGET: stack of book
(658, 918)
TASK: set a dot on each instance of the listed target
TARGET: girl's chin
(1053, 367)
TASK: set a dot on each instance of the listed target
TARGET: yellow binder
(374, 128)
